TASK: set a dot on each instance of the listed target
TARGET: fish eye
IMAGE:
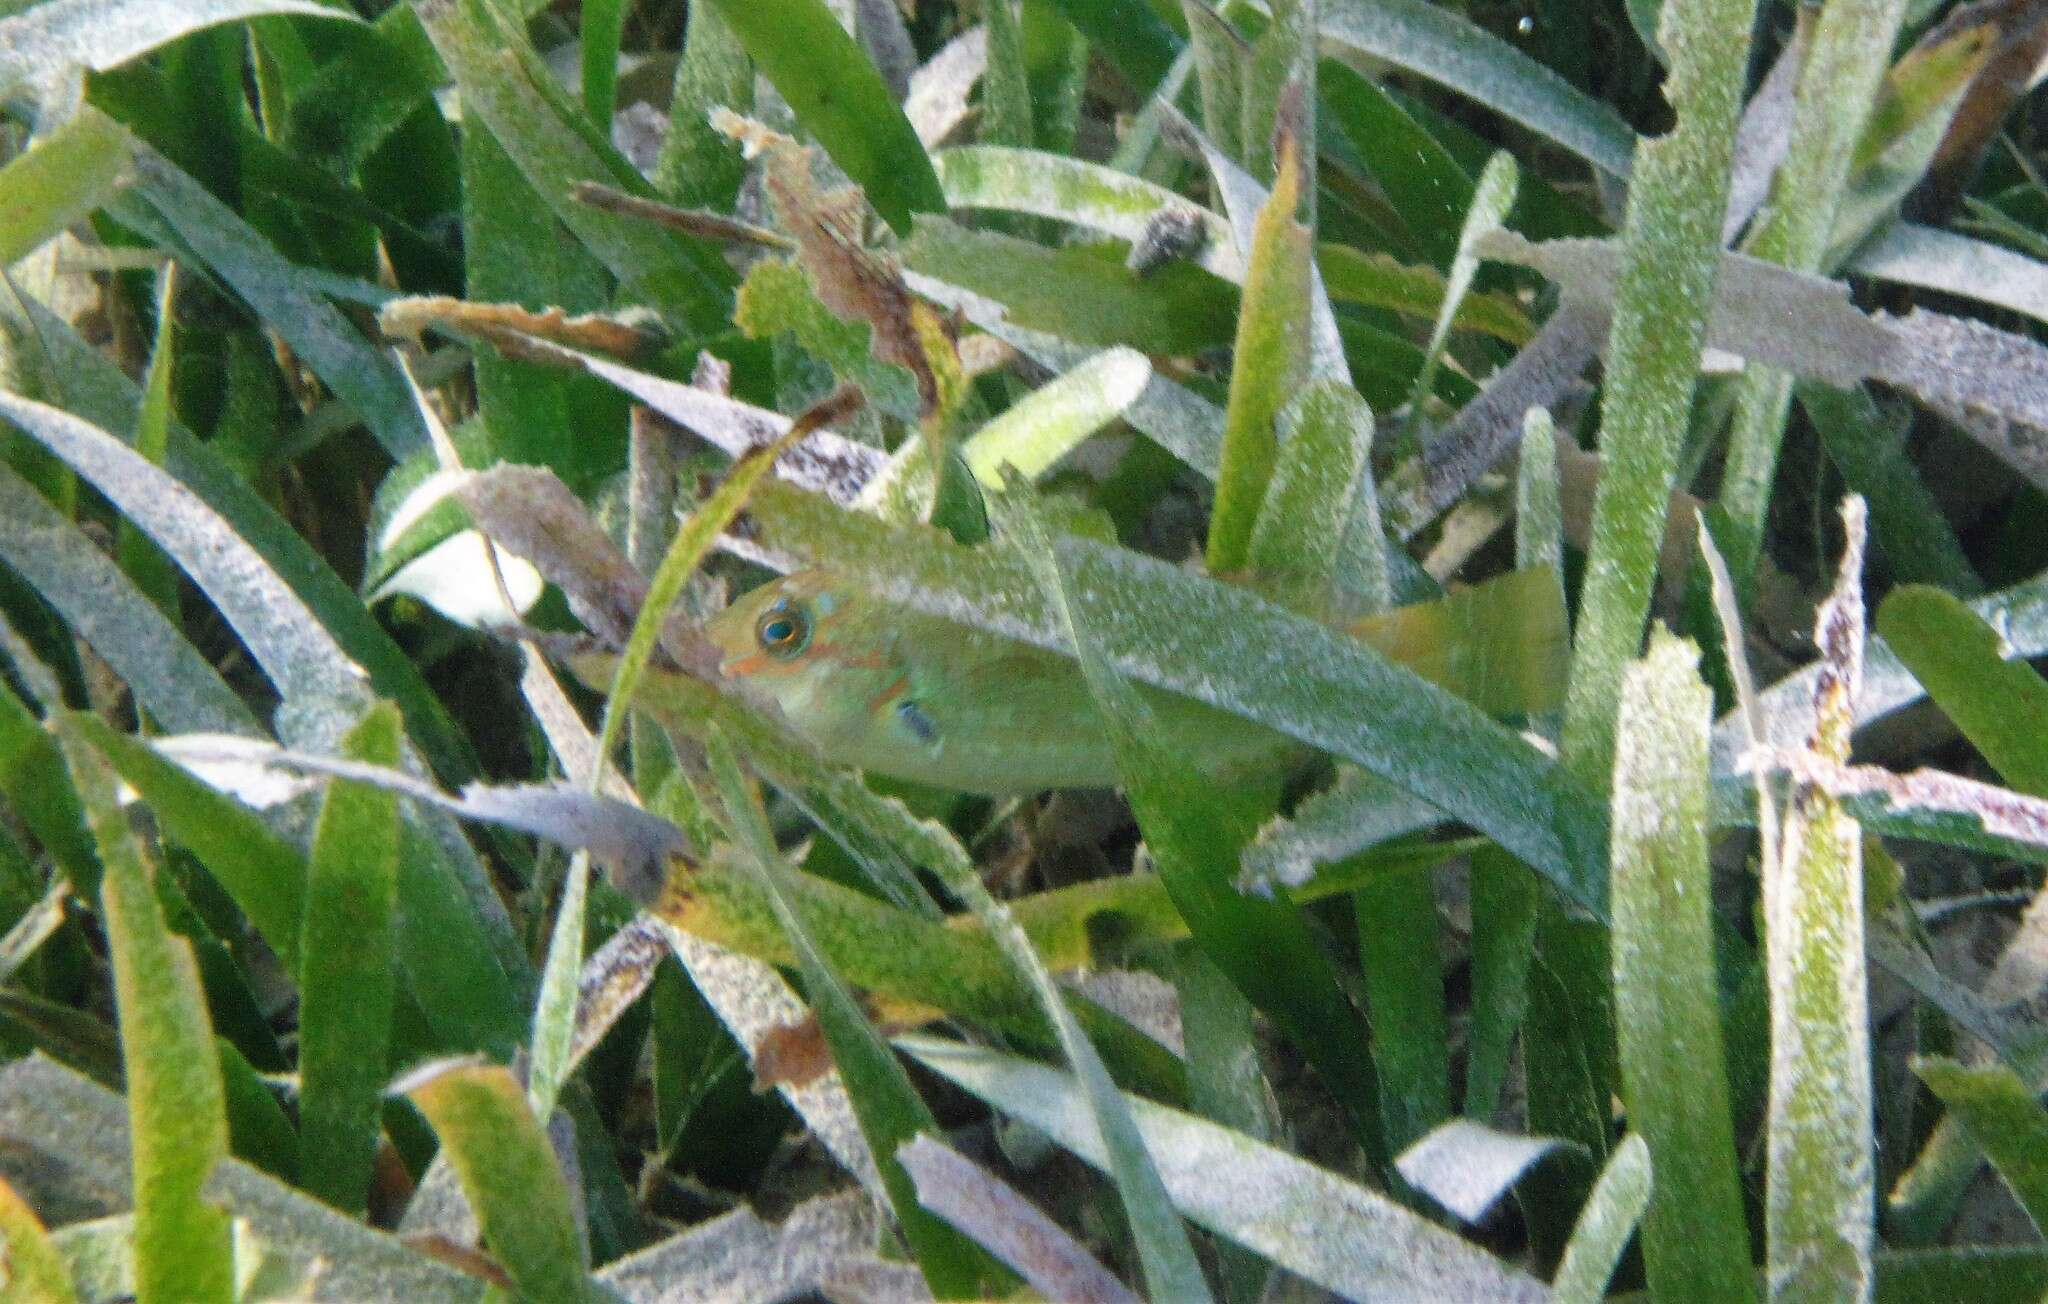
(783, 630)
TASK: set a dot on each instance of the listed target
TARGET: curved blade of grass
(47, 40)
(278, 292)
(169, 677)
(60, 178)
(2001, 706)
(1445, 48)
(1933, 259)
(442, 880)
(1261, 944)
(92, 387)
(176, 1102)
(509, 1173)
(1077, 292)
(890, 1111)
(841, 100)
(1155, 623)
(1084, 194)
(1468, 1167)
(1031, 435)
(346, 979)
(1337, 1234)
(1605, 1225)
(2002, 1116)
(1695, 1242)
(293, 647)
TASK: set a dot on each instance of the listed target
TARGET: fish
(885, 689)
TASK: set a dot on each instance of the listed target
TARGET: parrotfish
(883, 688)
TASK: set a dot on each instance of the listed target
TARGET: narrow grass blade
(1297, 539)
(1050, 1261)
(1933, 259)
(1605, 1225)
(280, 293)
(169, 677)
(1331, 1231)
(1695, 1242)
(60, 178)
(1867, 443)
(700, 165)
(1270, 361)
(1401, 958)
(1819, 1206)
(1491, 200)
(1195, 834)
(890, 1111)
(510, 1174)
(142, 561)
(1846, 59)
(1448, 49)
(841, 100)
(347, 977)
(1670, 254)
(2001, 1115)
(604, 22)
(39, 792)
(1006, 85)
(175, 1099)
(2001, 706)
(554, 146)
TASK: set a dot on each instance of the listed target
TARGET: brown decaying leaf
(852, 280)
(508, 325)
(791, 1054)
(2019, 34)
(690, 221)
